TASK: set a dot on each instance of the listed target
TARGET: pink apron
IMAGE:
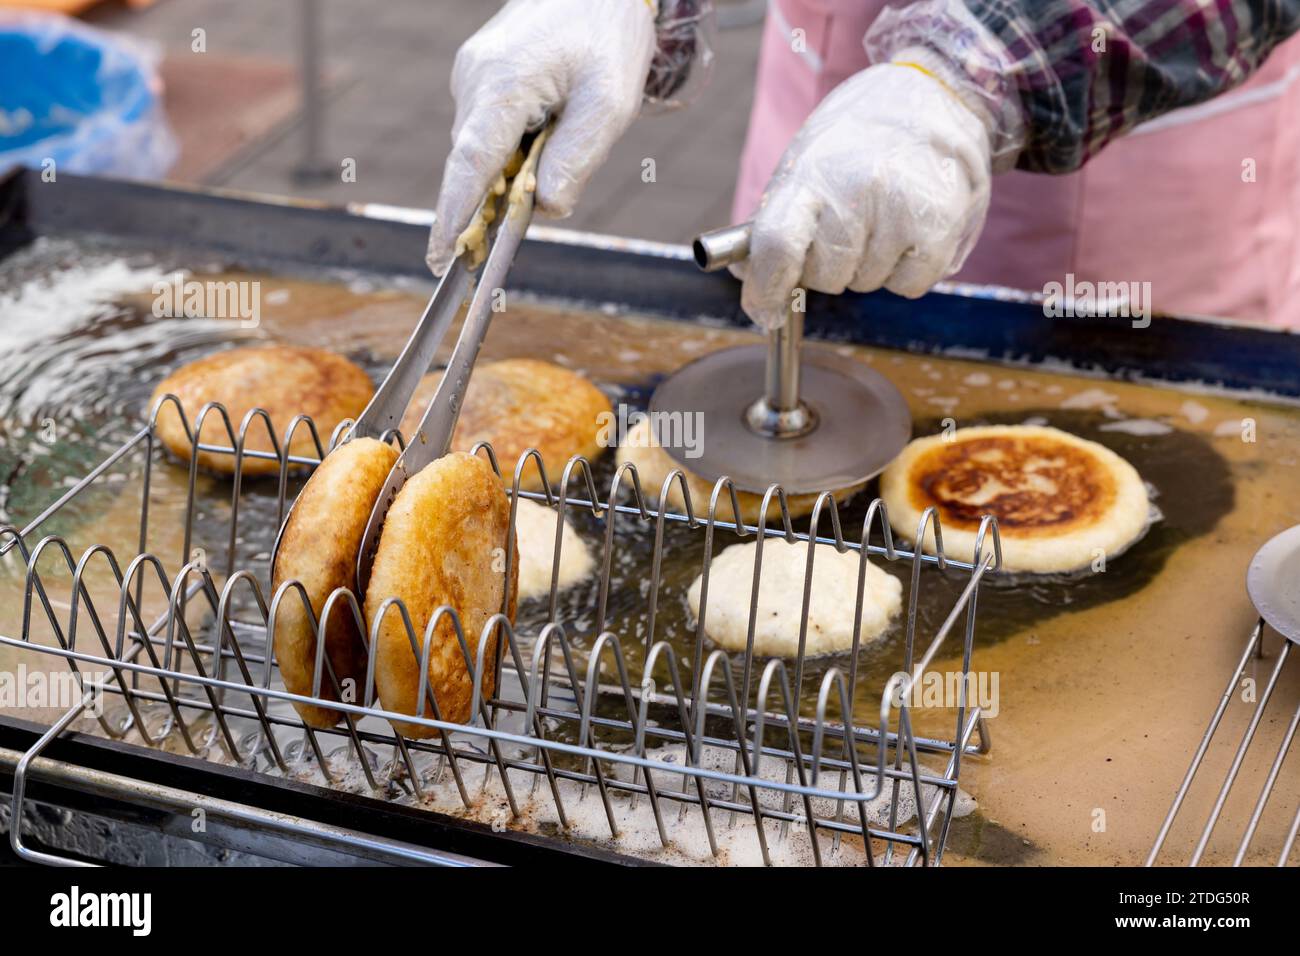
(1203, 203)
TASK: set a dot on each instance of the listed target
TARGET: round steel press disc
(1273, 582)
(863, 422)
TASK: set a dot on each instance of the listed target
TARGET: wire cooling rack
(711, 744)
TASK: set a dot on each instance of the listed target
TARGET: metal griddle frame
(302, 823)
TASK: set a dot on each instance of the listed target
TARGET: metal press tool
(822, 422)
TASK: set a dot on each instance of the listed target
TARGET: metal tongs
(432, 438)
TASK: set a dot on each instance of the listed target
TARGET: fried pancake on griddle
(653, 465)
(535, 536)
(1061, 501)
(517, 404)
(778, 621)
(284, 380)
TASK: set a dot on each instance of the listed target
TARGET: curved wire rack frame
(560, 720)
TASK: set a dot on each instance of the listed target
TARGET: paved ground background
(389, 64)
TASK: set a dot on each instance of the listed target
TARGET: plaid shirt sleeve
(1083, 72)
(682, 50)
(1088, 71)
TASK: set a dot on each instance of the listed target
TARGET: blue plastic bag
(84, 99)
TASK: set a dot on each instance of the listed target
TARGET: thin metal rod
(311, 164)
(1240, 756)
(1267, 790)
(1224, 699)
(183, 802)
(486, 733)
(76, 489)
(782, 379)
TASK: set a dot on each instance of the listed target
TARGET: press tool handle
(779, 412)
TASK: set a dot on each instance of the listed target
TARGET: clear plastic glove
(584, 61)
(887, 184)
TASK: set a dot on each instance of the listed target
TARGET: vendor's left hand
(887, 184)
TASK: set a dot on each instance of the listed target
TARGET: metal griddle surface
(1104, 683)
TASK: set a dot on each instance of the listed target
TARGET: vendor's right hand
(582, 61)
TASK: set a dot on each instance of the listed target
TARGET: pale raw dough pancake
(443, 542)
(653, 465)
(319, 549)
(780, 599)
(285, 381)
(1061, 501)
(535, 532)
(517, 404)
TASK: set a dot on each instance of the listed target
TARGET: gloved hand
(887, 184)
(584, 61)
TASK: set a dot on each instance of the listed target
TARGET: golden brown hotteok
(517, 404)
(286, 381)
(1061, 502)
(444, 542)
(319, 550)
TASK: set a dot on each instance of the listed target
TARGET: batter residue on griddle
(1031, 484)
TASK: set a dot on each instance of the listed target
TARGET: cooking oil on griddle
(1102, 678)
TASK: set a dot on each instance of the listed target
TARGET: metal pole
(311, 166)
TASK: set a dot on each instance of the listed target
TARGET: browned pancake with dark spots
(1061, 502)
(1034, 484)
